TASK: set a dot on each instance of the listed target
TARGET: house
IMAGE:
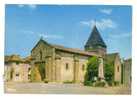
(16, 69)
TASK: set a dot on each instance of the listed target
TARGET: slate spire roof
(95, 39)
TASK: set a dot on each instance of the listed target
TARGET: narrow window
(29, 69)
(83, 67)
(40, 55)
(118, 68)
(67, 67)
(17, 74)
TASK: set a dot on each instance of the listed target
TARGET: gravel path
(53, 88)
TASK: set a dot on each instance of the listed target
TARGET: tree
(41, 68)
(109, 73)
(92, 70)
(35, 74)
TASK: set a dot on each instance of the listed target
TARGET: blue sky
(67, 25)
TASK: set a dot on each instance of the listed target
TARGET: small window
(17, 74)
(118, 68)
(83, 67)
(29, 69)
(40, 55)
(67, 67)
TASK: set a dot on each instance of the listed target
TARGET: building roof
(128, 60)
(27, 59)
(17, 58)
(13, 58)
(73, 50)
(95, 39)
(66, 49)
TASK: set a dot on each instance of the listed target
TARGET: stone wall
(127, 72)
(72, 67)
(117, 69)
(18, 72)
(82, 68)
(67, 69)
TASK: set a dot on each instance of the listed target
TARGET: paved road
(52, 88)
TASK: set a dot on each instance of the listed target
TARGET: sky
(67, 25)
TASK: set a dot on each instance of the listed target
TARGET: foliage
(92, 70)
(33, 74)
(41, 68)
(116, 83)
(109, 73)
(68, 82)
(35, 77)
(88, 83)
(99, 84)
(46, 81)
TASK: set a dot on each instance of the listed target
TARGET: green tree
(92, 70)
(41, 68)
(109, 73)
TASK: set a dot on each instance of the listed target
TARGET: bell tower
(95, 43)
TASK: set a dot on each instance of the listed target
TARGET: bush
(46, 81)
(92, 71)
(68, 82)
(88, 83)
(110, 83)
(116, 83)
(99, 84)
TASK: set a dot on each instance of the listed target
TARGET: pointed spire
(95, 22)
(41, 37)
(95, 40)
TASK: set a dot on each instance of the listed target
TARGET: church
(57, 63)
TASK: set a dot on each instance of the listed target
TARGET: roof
(27, 59)
(128, 60)
(66, 49)
(73, 50)
(110, 58)
(13, 58)
(95, 39)
(17, 58)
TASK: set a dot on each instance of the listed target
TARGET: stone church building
(62, 64)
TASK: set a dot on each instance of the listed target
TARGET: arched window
(40, 55)
(67, 66)
(118, 68)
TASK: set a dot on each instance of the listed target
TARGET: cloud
(101, 24)
(120, 35)
(51, 36)
(27, 32)
(106, 11)
(31, 6)
(21, 5)
(44, 35)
